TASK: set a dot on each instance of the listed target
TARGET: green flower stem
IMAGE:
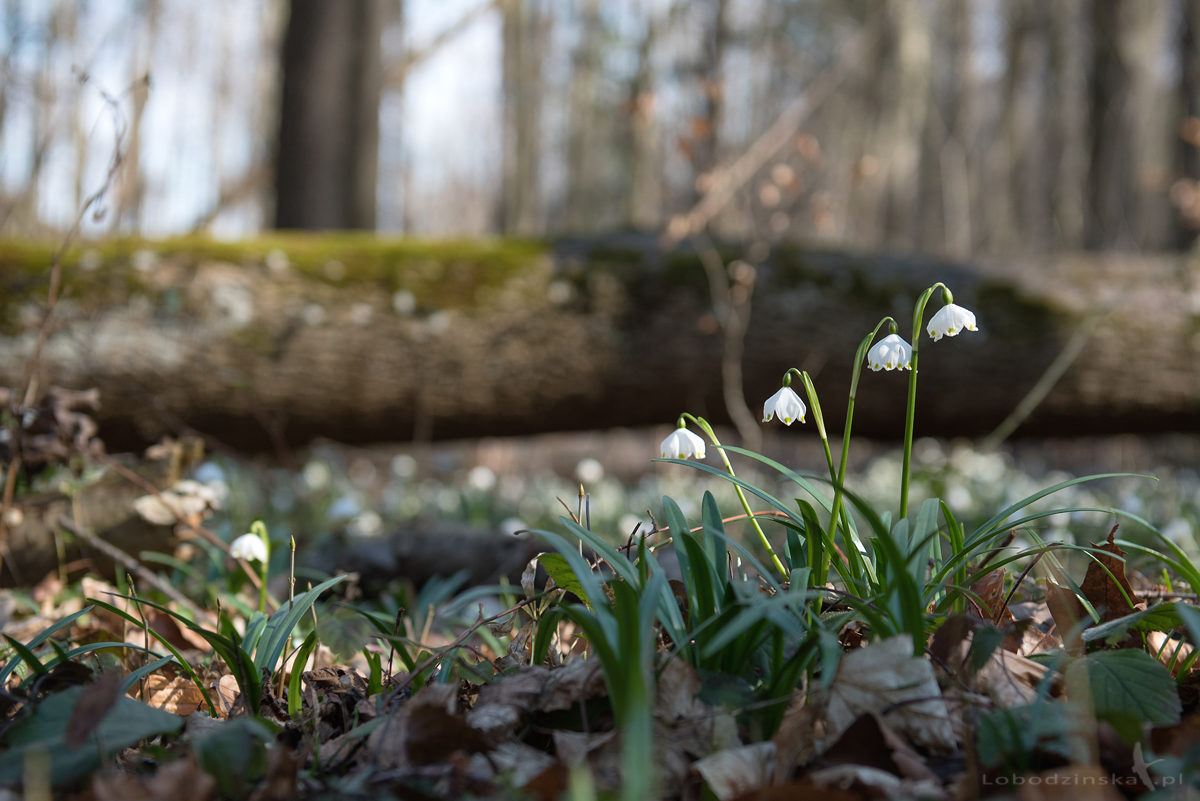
(906, 465)
(259, 528)
(703, 425)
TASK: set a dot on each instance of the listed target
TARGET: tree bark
(396, 341)
(329, 115)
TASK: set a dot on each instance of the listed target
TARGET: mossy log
(354, 338)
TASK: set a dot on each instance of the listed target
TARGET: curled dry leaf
(1105, 585)
(738, 771)
(175, 694)
(886, 678)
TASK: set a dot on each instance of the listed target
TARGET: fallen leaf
(181, 780)
(990, 589)
(1068, 614)
(869, 742)
(175, 694)
(94, 702)
(876, 782)
(887, 679)
(433, 735)
(504, 702)
(1010, 679)
(1105, 585)
(737, 771)
(227, 694)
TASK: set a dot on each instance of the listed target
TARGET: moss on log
(356, 338)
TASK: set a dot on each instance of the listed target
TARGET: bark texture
(363, 340)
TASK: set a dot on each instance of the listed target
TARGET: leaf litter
(893, 721)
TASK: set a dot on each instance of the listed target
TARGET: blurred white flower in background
(589, 470)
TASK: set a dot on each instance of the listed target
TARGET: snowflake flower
(681, 444)
(890, 353)
(249, 547)
(786, 405)
(949, 320)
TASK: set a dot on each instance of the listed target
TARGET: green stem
(703, 425)
(910, 413)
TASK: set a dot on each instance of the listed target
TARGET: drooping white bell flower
(681, 444)
(786, 405)
(890, 353)
(949, 320)
(249, 547)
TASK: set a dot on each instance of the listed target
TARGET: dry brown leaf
(886, 678)
(175, 694)
(504, 702)
(181, 780)
(433, 734)
(91, 707)
(990, 589)
(1067, 612)
(796, 739)
(738, 771)
(869, 742)
(568, 685)
(1105, 585)
(600, 752)
(1010, 679)
(678, 685)
(875, 782)
(1171, 651)
(227, 694)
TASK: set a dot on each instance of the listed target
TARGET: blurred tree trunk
(1023, 211)
(1068, 123)
(642, 145)
(523, 32)
(585, 146)
(957, 154)
(904, 86)
(1130, 132)
(328, 146)
(130, 183)
(1188, 142)
(709, 70)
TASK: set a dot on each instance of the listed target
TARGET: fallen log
(274, 342)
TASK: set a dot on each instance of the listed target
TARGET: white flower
(786, 405)
(949, 320)
(249, 547)
(681, 444)
(890, 353)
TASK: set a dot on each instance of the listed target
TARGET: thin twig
(131, 564)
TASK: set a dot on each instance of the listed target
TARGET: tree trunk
(404, 340)
(328, 145)
(1130, 139)
(523, 34)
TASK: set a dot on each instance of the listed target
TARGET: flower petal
(249, 547)
(890, 353)
(949, 320)
(681, 444)
(786, 405)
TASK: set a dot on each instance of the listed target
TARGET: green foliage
(43, 734)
